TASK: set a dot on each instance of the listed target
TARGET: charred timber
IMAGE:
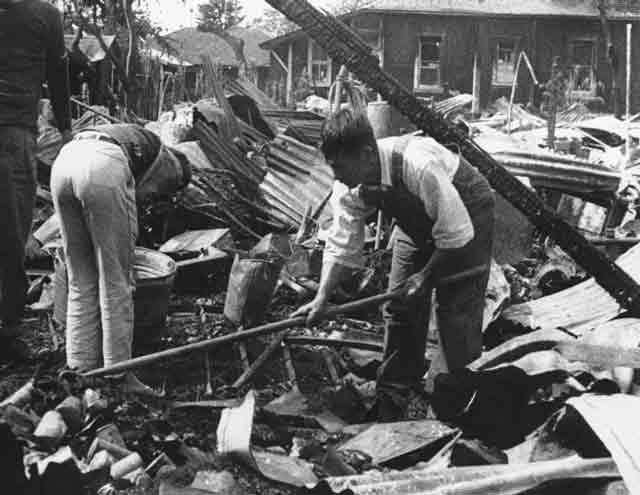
(345, 47)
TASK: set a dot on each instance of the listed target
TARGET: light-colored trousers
(94, 195)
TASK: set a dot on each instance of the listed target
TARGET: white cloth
(428, 172)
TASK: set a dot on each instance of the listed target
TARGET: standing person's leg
(406, 323)
(113, 226)
(17, 197)
(69, 178)
(461, 305)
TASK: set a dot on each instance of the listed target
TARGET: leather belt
(96, 136)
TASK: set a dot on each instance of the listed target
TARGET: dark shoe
(390, 406)
(13, 349)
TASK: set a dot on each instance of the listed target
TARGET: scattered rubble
(285, 410)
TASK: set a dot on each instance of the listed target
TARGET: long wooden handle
(239, 336)
(270, 328)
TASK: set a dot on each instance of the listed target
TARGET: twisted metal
(345, 47)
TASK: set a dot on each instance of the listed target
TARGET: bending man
(443, 208)
(96, 182)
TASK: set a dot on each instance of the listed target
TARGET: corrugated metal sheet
(579, 308)
(549, 169)
(294, 177)
(495, 480)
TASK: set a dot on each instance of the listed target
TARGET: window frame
(494, 60)
(417, 66)
(311, 63)
(574, 66)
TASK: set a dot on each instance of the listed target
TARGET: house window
(582, 57)
(504, 62)
(428, 61)
(320, 65)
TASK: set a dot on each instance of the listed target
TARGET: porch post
(628, 96)
(289, 88)
(310, 59)
(475, 103)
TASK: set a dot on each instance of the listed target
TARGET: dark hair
(185, 163)
(345, 132)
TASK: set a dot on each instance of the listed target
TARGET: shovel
(269, 328)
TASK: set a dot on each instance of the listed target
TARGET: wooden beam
(289, 87)
(475, 104)
(280, 61)
(310, 59)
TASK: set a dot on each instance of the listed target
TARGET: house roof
(190, 43)
(90, 46)
(490, 8)
(165, 58)
(541, 8)
(252, 39)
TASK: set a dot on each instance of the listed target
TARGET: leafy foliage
(217, 16)
(340, 7)
(274, 23)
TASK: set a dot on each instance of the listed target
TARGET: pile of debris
(549, 406)
(541, 409)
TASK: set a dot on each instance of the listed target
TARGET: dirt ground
(152, 426)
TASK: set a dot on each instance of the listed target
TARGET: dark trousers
(17, 199)
(460, 306)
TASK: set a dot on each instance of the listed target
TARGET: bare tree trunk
(237, 45)
(611, 54)
(110, 16)
(128, 17)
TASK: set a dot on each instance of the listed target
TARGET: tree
(100, 17)
(217, 16)
(274, 23)
(340, 7)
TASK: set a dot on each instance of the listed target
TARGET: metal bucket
(154, 273)
(379, 113)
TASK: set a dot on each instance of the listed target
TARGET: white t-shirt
(428, 171)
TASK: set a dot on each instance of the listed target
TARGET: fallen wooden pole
(248, 374)
(332, 342)
(110, 118)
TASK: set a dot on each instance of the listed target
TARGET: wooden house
(189, 45)
(472, 46)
